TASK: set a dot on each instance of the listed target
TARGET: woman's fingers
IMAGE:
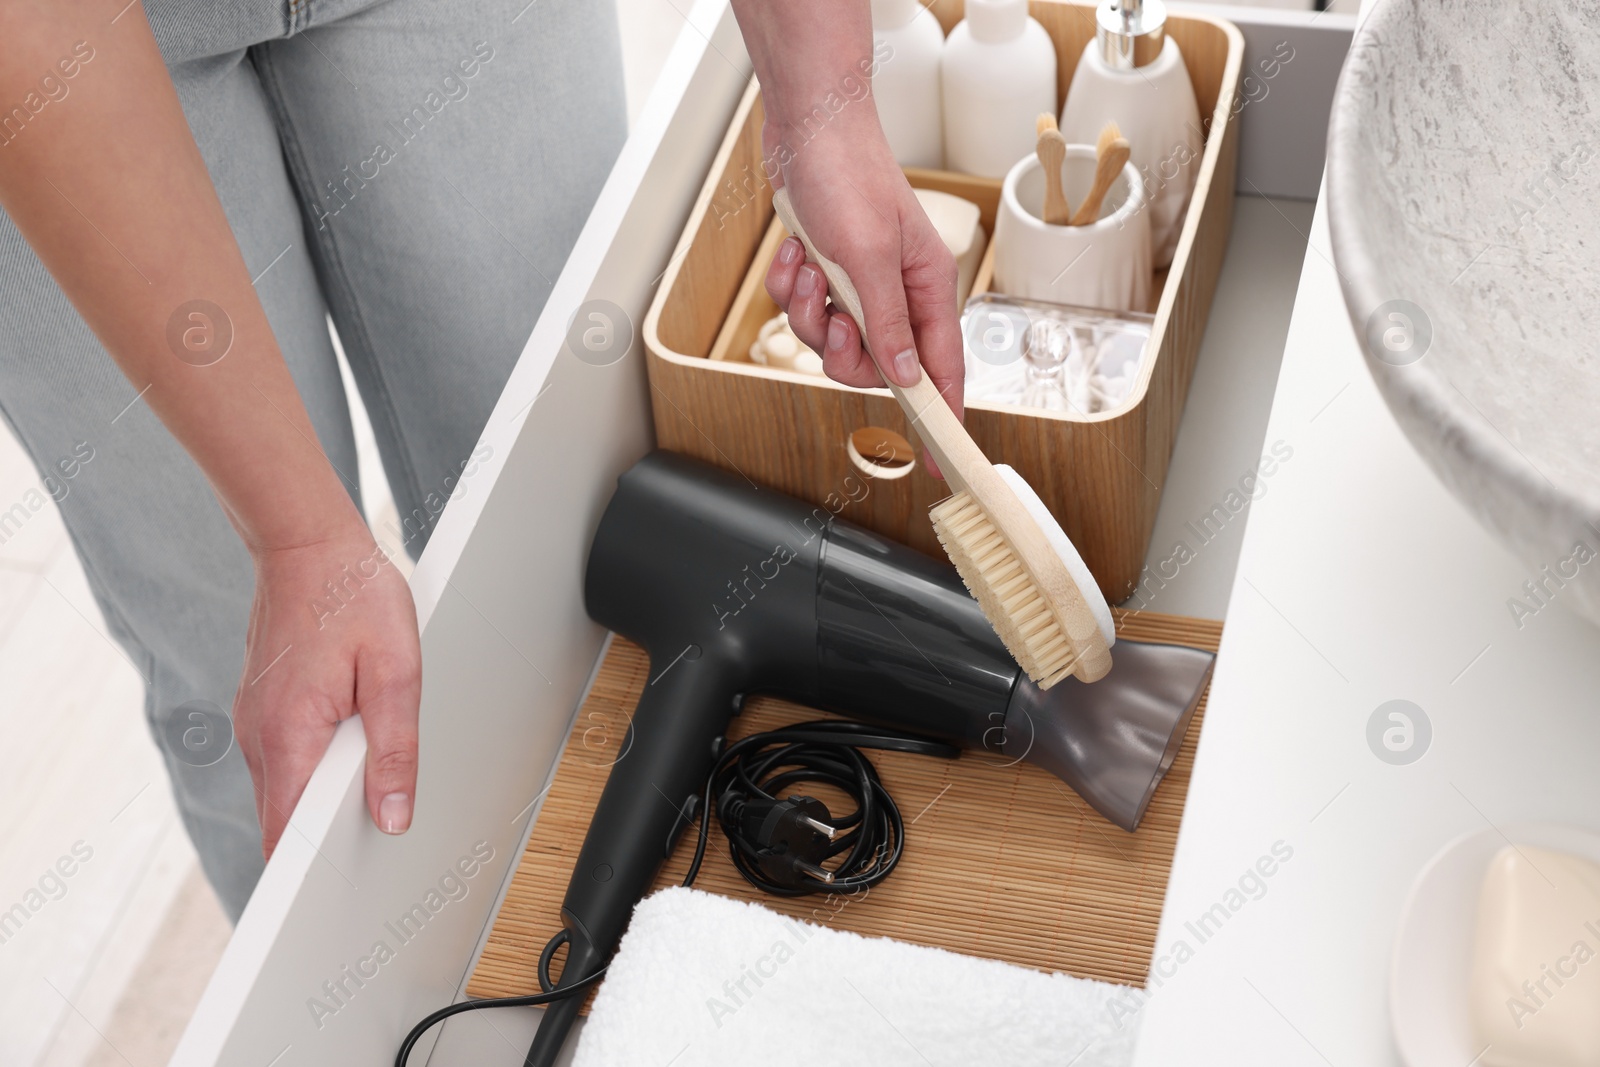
(785, 265)
(388, 690)
(874, 227)
(307, 671)
(799, 288)
(808, 307)
(291, 747)
(843, 358)
(930, 287)
(873, 264)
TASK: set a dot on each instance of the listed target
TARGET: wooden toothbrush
(1013, 556)
(1110, 156)
(1052, 153)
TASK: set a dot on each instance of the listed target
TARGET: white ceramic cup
(1105, 264)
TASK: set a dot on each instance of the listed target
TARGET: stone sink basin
(1463, 191)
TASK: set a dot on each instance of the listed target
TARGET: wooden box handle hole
(880, 453)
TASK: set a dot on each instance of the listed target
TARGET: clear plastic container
(1056, 357)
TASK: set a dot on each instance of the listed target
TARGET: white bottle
(908, 44)
(1133, 74)
(999, 74)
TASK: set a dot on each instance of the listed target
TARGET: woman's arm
(823, 138)
(108, 187)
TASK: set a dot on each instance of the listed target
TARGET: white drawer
(507, 646)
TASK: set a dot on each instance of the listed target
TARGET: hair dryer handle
(666, 756)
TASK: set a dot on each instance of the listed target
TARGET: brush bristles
(1009, 598)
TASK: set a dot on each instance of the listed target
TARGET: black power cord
(529, 1001)
(780, 844)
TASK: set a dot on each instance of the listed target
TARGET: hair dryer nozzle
(1115, 740)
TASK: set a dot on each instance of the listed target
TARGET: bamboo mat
(1000, 861)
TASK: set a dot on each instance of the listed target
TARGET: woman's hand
(823, 141)
(333, 632)
(238, 414)
(860, 212)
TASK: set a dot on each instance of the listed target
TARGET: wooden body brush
(1014, 558)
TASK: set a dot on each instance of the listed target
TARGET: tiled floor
(106, 965)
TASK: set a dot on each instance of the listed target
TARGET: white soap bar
(1535, 980)
(956, 220)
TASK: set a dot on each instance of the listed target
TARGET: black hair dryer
(733, 589)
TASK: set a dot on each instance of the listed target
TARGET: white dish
(1430, 968)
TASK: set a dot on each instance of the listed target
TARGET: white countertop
(1360, 580)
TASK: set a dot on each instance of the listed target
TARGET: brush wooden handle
(1107, 165)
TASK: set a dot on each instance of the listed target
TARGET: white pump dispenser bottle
(1133, 74)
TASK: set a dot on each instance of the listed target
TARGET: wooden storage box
(1100, 474)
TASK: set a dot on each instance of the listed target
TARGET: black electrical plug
(791, 837)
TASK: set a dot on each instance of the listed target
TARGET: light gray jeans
(418, 170)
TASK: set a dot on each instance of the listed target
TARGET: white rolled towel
(705, 981)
